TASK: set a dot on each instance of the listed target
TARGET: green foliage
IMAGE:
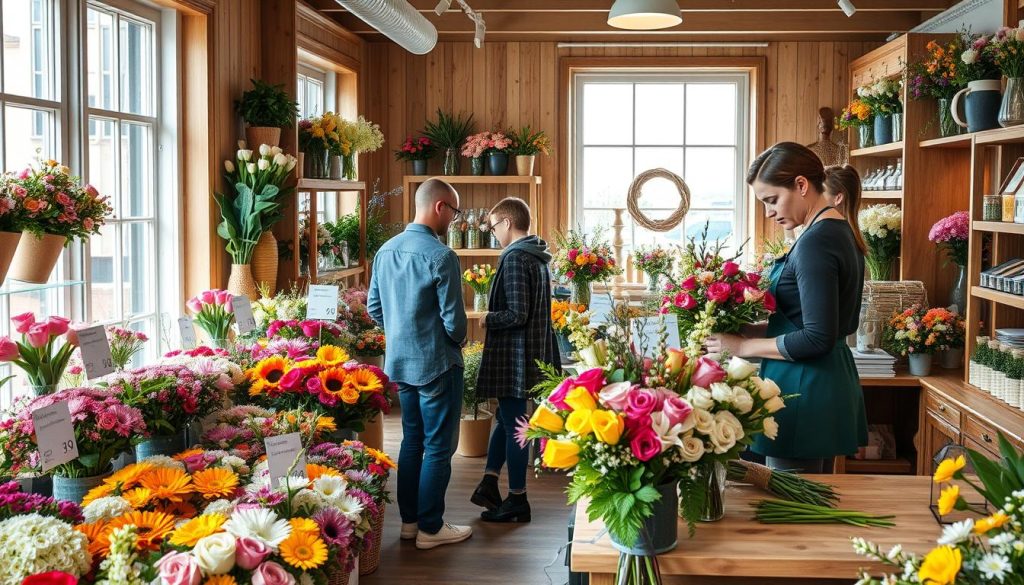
(449, 131)
(378, 229)
(1000, 479)
(267, 105)
(527, 142)
(552, 377)
(472, 355)
(619, 497)
(242, 218)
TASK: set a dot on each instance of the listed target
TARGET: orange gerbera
(266, 374)
(381, 457)
(101, 491)
(138, 497)
(189, 533)
(186, 454)
(151, 527)
(364, 380)
(314, 471)
(304, 525)
(330, 355)
(178, 509)
(94, 532)
(128, 477)
(168, 483)
(215, 482)
(333, 380)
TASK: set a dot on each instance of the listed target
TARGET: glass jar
(1009, 203)
(455, 235)
(472, 230)
(992, 208)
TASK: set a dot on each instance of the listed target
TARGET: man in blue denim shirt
(416, 296)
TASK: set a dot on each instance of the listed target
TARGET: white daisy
(330, 486)
(957, 532)
(349, 506)
(1001, 541)
(259, 523)
(994, 566)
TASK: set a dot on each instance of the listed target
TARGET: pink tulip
(38, 335)
(194, 305)
(730, 269)
(708, 372)
(57, 325)
(23, 321)
(223, 297)
(8, 350)
(72, 334)
(208, 297)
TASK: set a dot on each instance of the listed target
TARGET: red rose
(769, 302)
(753, 278)
(719, 292)
(50, 578)
(690, 283)
(730, 269)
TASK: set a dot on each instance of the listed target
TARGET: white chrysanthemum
(31, 544)
(233, 461)
(349, 506)
(164, 461)
(994, 566)
(957, 532)
(330, 486)
(259, 523)
(222, 507)
(106, 508)
(1002, 541)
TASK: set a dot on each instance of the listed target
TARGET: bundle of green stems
(783, 484)
(772, 511)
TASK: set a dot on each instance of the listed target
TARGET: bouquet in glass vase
(214, 315)
(44, 351)
(653, 261)
(883, 96)
(124, 344)
(936, 75)
(881, 226)
(582, 260)
(1007, 47)
(950, 234)
(479, 278)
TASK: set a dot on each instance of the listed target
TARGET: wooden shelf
(891, 149)
(481, 180)
(471, 314)
(958, 141)
(1000, 227)
(898, 466)
(882, 194)
(1002, 298)
(309, 185)
(340, 273)
(477, 252)
(1000, 136)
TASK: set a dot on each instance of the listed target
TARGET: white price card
(243, 314)
(188, 333)
(647, 333)
(55, 435)
(95, 352)
(283, 452)
(322, 303)
(600, 308)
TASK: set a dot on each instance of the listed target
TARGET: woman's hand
(720, 343)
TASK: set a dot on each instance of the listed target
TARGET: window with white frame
(311, 92)
(693, 124)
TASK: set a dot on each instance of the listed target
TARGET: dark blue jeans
(504, 447)
(430, 424)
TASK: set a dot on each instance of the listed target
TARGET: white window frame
(619, 76)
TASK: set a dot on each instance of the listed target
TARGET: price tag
(95, 352)
(647, 333)
(243, 314)
(188, 333)
(600, 307)
(55, 435)
(322, 303)
(283, 452)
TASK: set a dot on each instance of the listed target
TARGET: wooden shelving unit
(347, 276)
(958, 141)
(1006, 299)
(886, 150)
(882, 195)
(999, 227)
(997, 136)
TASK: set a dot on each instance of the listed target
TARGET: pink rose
(311, 328)
(719, 292)
(753, 278)
(616, 395)
(675, 408)
(690, 283)
(271, 573)
(8, 350)
(707, 373)
(557, 398)
(572, 255)
(645, 445)
(23, 321)
(730, 269)
(178, 568)
(292, 380)
(685, 301)
(38, 335)
(249, 552)
(640, 402)
(57, 325)
(769, 302)
(593, 380)
(194, 305)
(107, 420)
(208, 297)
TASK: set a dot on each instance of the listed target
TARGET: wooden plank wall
(516, 83)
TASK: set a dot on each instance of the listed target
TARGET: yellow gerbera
(266, 374)
(364, 381)
(948, 468)
(303, 550)
(220, 580)
(189, 533)
(304, 525)
(948, 499)
(330, 355)
(333, 379)
(138, 497)
(996, 520)
(314, 471)
(168, 483)
(326, 423)
(940, 566)
(308, 364)
(151, 527)
(381, 457)
(215, 482)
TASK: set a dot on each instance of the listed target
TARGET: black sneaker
(515, 508)
(486, 495)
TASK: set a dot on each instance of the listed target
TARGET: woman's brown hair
(845, 180)
(781, 164)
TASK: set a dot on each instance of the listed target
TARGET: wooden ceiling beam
(687, 6)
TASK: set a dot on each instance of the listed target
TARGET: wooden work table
(739, 550)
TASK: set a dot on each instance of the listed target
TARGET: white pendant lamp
(397, 20)
(644, 14)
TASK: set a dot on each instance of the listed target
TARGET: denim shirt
(416, 296)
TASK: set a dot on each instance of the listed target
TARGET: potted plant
(43, 352)
(475, 426)
(447, 134)
(418, 151)
(10, 230)
(526, 144)
(498, 147)
(913, 333)
(266, 109)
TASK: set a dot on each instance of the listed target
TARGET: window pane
(137, 283)
(593, 218)
(100, 59)
(300, 95)
(28, 48)
(102, 251)
(659, 113)
(606, 176)
(710, 113)
(720, 228)
(711, 176)
(314, 97)
(136, 170)
(608, 113)
(21, 140)
(136, 64)
(102, 159)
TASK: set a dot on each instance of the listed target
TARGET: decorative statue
(831, 153)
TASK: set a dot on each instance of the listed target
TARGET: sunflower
(303, 550)
(330, 355)
(220, 580)
(215, 482)
(306, 364)
(138, 497)
(314, 471)
(267, 374)
(152, 528)
(94, 532)
(127, 477)
(101, 491)
(364, 381)
(168, 483)
(304, 525)
(189, 533)
(333, 380)
(186, 454)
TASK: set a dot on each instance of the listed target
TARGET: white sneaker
(449, 534)
(409, 530)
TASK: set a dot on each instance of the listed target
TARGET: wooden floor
(496, 553)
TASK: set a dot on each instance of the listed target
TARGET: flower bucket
(372, 434)
(369, 559)
(865, 136)
(36, 257)
(497, 163)
(883, 129)
(524, 164)
(160, 445)
(336, 167)
(951, 359)
(241, 283)
(419, 167)
(264, 262)
(476, 166)
(370, 360)
(257, 135)
(474, 433)
(564, 345)
(8, 246)
(662, 528)
(73, 489)
(920, 364)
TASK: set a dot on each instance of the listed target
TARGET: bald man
(416, 296)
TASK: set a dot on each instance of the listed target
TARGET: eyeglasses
(455, 210)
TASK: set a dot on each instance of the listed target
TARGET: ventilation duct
(397, 20)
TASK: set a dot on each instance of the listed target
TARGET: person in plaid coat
(518, 333)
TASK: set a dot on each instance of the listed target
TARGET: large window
(691, 124)
(311, 92)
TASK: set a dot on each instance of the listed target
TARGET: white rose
(970, 56)
(774, 404)
(771, 428)
(693, 449)
(700, 398)
(215, 554)
(766, 388)
(705, 421)
(742, 399)
(739, 368)
(721, 392)
(614, 393)
(668, 434)
(727, 431)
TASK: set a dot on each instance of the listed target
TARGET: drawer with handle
(943, 408)
(985, 434)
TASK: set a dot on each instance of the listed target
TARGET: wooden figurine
(831, 153)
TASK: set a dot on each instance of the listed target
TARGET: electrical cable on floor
(562, 549)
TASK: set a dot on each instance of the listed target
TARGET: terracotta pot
(241, 283)
(257, 135)
(264, 262)
(373, 433)
(36, 257)
(524, 164)
(474, 435)
(8, 246)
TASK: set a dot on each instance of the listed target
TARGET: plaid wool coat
(518, 324)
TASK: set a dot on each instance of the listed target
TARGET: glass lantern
(976, 504)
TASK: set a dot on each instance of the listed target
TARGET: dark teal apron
(828, 417)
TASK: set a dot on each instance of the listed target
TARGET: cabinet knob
(942, 408)
(986, 438)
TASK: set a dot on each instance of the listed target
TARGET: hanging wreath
(658, 225)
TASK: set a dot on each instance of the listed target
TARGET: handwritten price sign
(95, 352)
(55, 435)
(322, 303)
(243, 315)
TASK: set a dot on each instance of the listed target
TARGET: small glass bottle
(887, 183)
(899, 174)
(472, 230)
(992, 208)
(868, 180)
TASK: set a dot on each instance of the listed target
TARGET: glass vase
(476, 166)
(581, 293)
(865, 136)
(349, 165)
(451, 162)
(947, 125)
(958, 292)
(712, 478)
(319, 165)
(652, 283)
(480, 302)
(879, 268)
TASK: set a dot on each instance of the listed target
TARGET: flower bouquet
(494, 145)
(937, 75)
(34, 543)
(124, 344)
(977, 62)
(654, 261)
(415, 149)
(39, 353)
(883, 97)
(911, 334)
(214, 315)
(285, 306)
(1007, 47)
(881, 226)
(320, 136)
(857, 113)
(526, 145)
(317, 333)
(369, 343)
(479, 279)
(950, 234)
(565, 316)
(582, 261)
(241, 430)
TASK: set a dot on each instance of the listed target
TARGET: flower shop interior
(247, 250)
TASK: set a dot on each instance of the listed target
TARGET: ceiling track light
(848, 8)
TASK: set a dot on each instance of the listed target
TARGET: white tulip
(250, 167)
(774, 404)
(739, 368)
(292, 161)
(229, 166)
(263, 164)
(245, 155)
(742, 399)
(693, 449)
(970, 56)
(264, 149)
(280, 160)
(275, 150)
(771, 428)
(721, 392)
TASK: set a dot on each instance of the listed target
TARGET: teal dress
(827, 417)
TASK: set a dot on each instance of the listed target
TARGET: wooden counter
(738, 549)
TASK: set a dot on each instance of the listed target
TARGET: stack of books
(1011, 337)
(874, 363)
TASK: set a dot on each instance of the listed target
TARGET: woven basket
(338, 576)
(369, 559)
(264, 262)
(883, 298)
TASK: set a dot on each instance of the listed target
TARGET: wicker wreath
(658, 225)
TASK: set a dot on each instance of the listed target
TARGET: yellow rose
(608, 426)
(579, 398)
(948, 499)
(675, 361)
(546, 419)
(994, 521)
(579, 422)
(940, 566)
(948, 469)
(561, 454)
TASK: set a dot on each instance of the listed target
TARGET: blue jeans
(504, 447)
(430, 424)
